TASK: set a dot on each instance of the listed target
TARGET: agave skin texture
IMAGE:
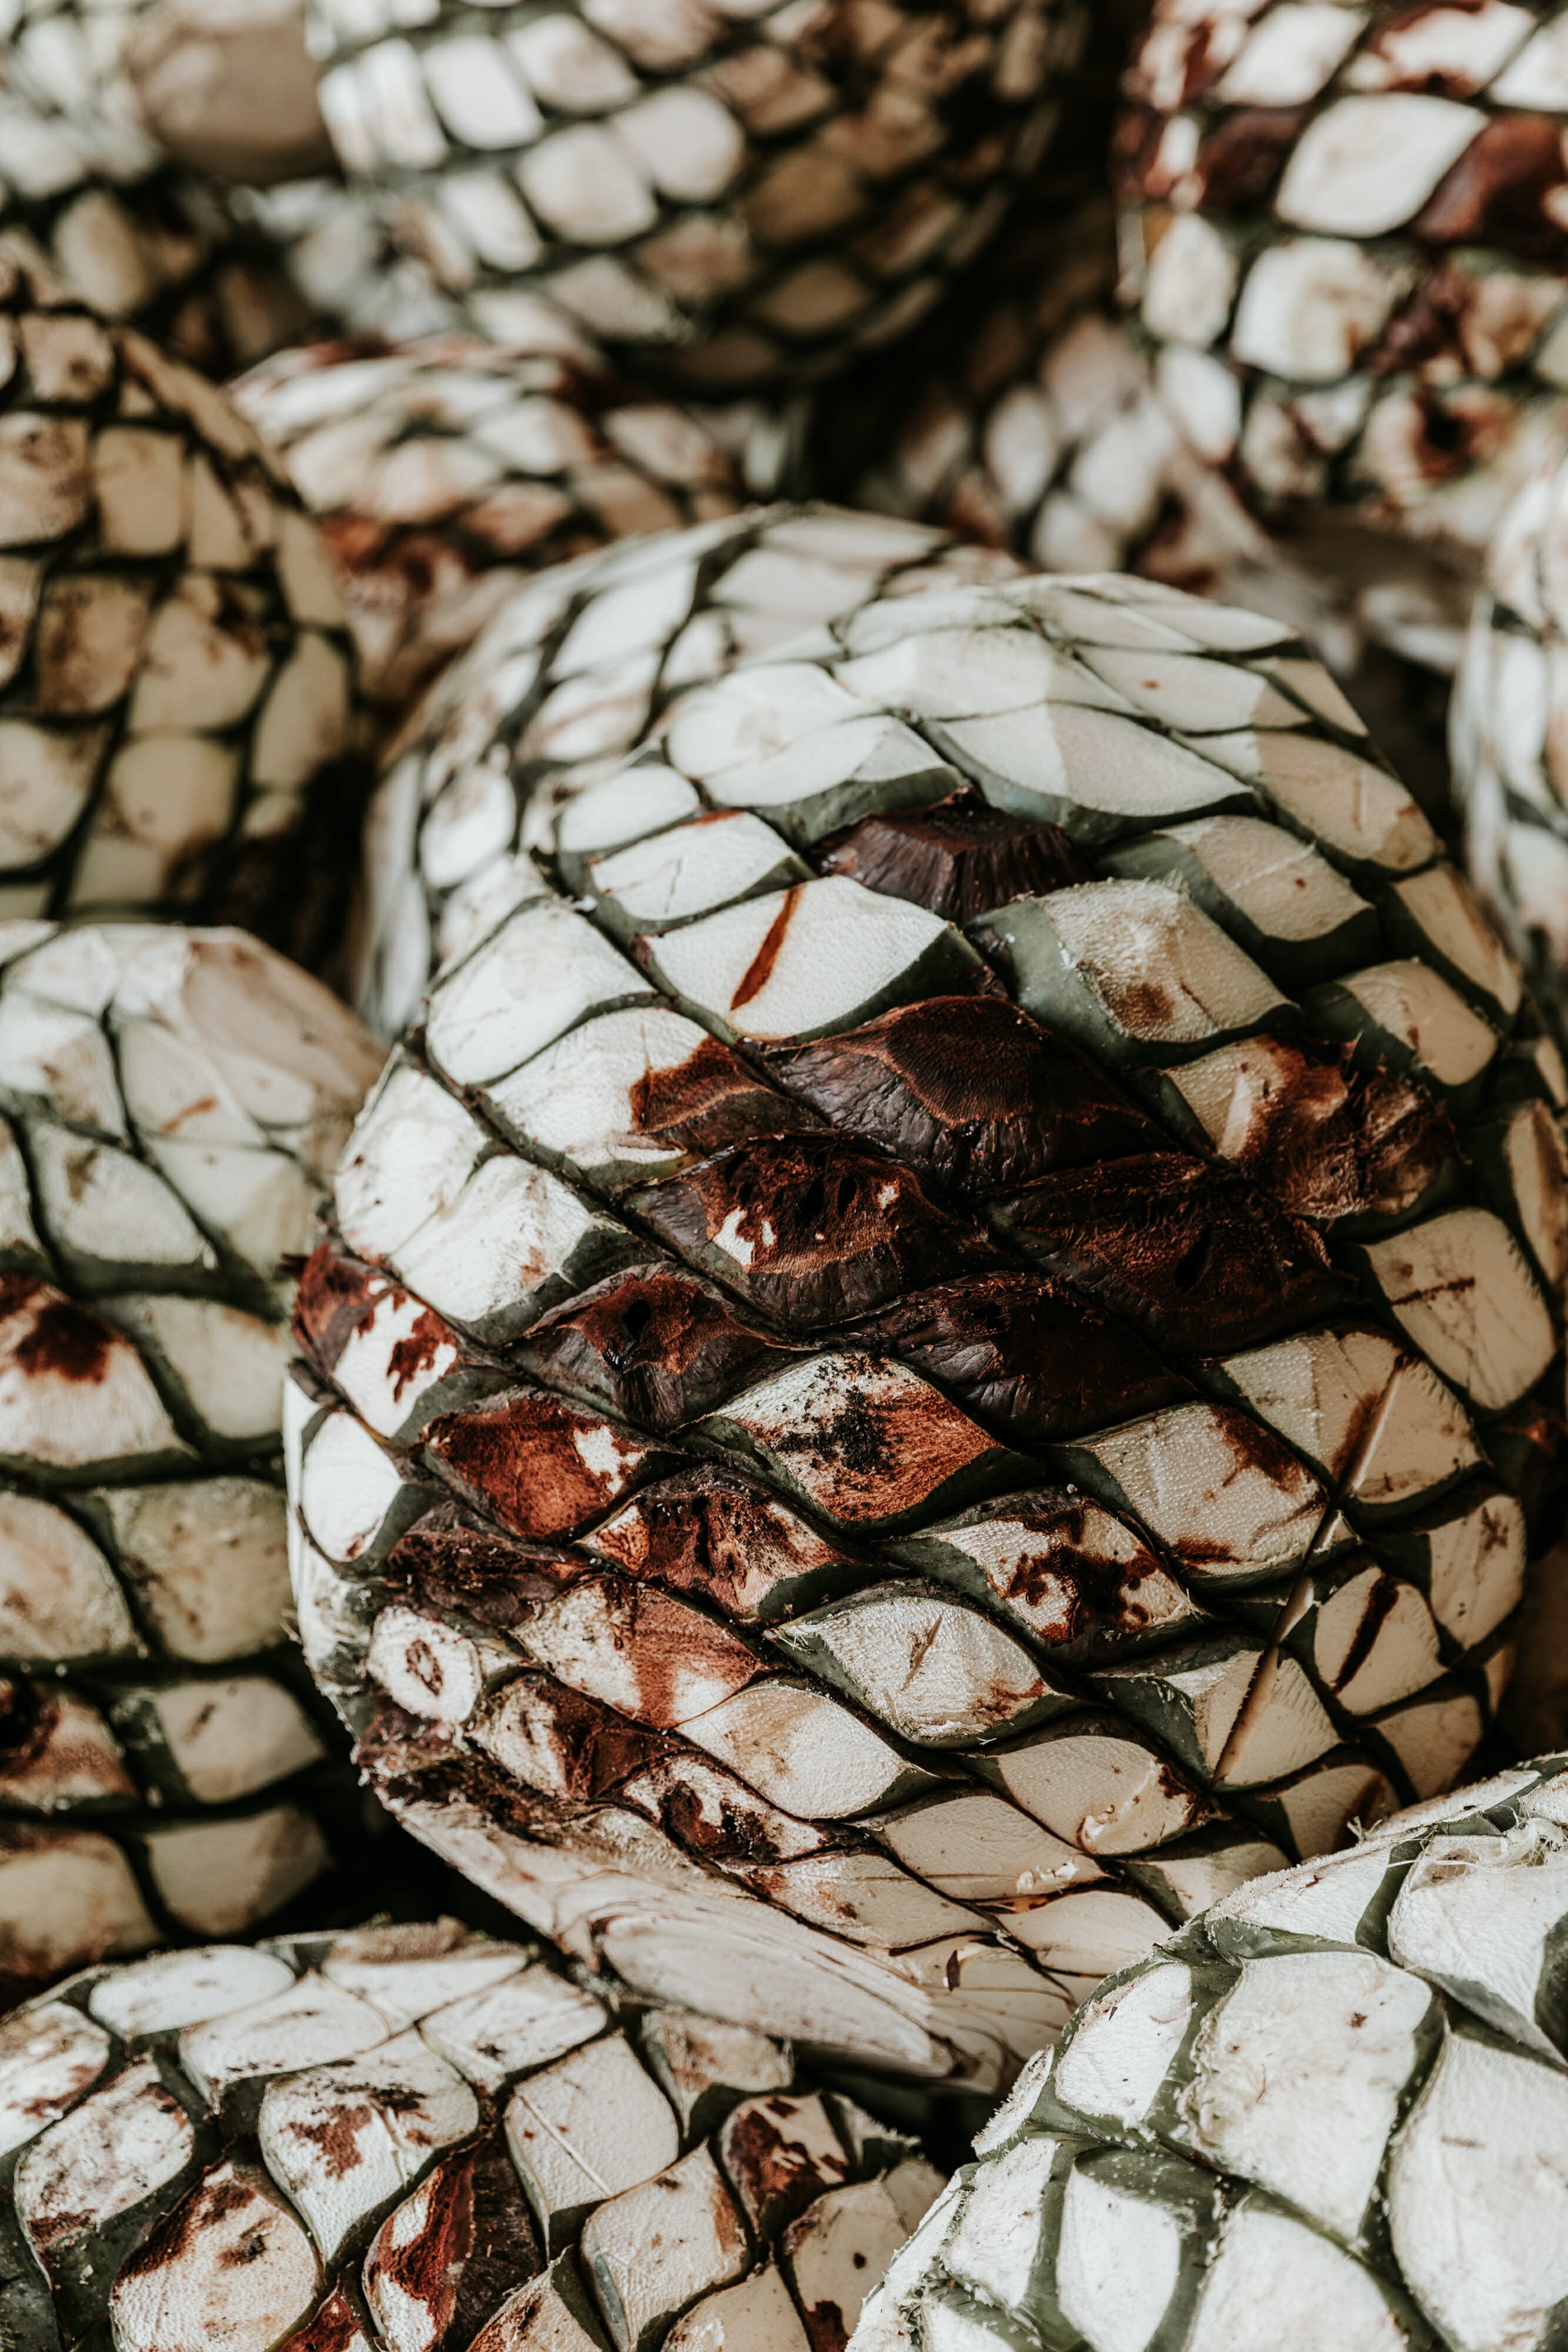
(945, 1340)
(567, 679)
(444, 471)
(171, 1102)
(730, 198)
(1510, 764)
(424, 2139)
(181, 728)
(1344, 246)
(1332, 2112)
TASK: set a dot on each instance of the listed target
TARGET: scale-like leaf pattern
(931, 1353)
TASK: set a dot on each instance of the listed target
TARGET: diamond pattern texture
(420, 2140)
(566, 680)
(1340, 2093)
(441, 471)
(950, 1325)
(737, 194)
(1344, 241)
(181, 731)
(1510, 753)
(172, 1103)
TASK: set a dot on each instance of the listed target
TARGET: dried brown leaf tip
(882, 1565)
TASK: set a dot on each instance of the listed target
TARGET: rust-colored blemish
(760, 970)
(61, 1340)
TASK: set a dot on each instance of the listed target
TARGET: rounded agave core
(1026, 419)
(155, 248)
(948, 1341)
(1345, 235)
(575, 669)
(442, 470)
(731, 195)
(230, 90)
(1339, 2094)
(1509, 732)
(401, 2138)
(177, 707)
(173, 1102)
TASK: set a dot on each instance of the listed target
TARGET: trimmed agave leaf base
(1332, 2112)
(420, 2140)
(946, 1341)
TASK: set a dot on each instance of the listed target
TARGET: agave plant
(229, 92)
(153, 246)
(420, 2140)
(1028, 419)
(946, 1337)
(1508, 743)
(172, 1103)
(732, 196)
(181, 735)
(566, 680)
(441, 470)
(1330, 2114)
(1344, 250)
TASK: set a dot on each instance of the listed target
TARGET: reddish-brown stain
(721, 1537)
(663, 1643)
(515, 1454)
(654, 1344)
(813, 1228)
(428, 2267)
(335, 2134)
(712, 1814)
(177, 2238)
(969, 1089)
(760, 970)
(595, 1750)
(56, 1338)
(1029, 1354)
(334, 2328)
(336, 1297)
(1497, 191)
(774, 2172)
(959, 857)
(709, 1100)
(446, 1564)
(1196, 1258)
(877, 1456)
(418, 1349)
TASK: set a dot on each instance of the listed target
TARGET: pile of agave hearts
(893, 1412)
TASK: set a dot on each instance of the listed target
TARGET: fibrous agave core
(156, 249)
(567, 679)
(422, 2139)
(729, 197)
(228, 91)
(443, 471)
(1343, 242)
(1332, 2113)
(180, 730)
(1509, 733)
(945, 1340)
(170, 1104)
